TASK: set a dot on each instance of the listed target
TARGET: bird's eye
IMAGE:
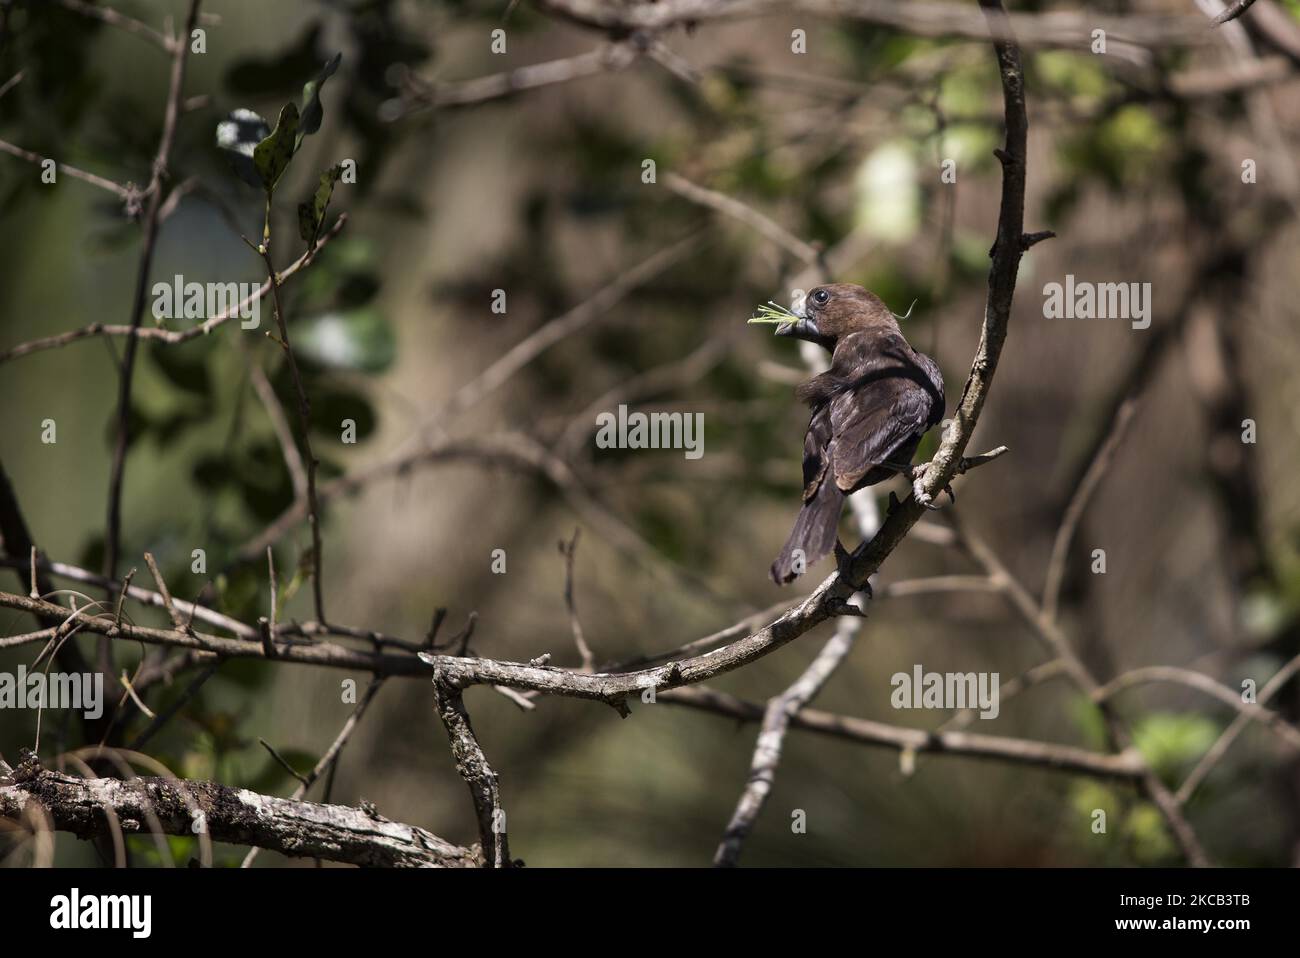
(820, 297)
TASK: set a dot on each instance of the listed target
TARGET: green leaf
(312, 111)
(273, 154)
(1148, 836)
(238, 136)
(358, 340)
(311, 214)
(1172, 741)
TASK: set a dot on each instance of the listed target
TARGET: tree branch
(233, 815)
(916, 17)
(171, 336)
(1065, 758)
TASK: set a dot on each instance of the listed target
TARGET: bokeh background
(1135, 162)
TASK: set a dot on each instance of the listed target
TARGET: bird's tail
(813, 535)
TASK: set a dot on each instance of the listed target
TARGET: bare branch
(473, 767)
(306, 653)
(421, 94)
(12, 82)
(916, 17)
(569, 551)
(123, 22)
(236, 816)
(178, 620)
(776, 721)
(128, 194)
(329, 759)
(1202, 683)
(304, 427)
(171, 336)
(561, 327)
(1224, 742)
(1049, 632)
(1066, 758)
(279, 424)
(1079, 501)
(112, 534)
(1233, 11)
(805, 252)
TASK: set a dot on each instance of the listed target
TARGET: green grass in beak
(770, 312)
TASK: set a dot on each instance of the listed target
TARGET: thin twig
(421, 94)
(306, 653)
(569, 550)
(304, 426)
(128, 193)
(172, 336)
(1049, 632)
(1215, 754)
(120, 20)
(1050, 755)
(280, 425)
(178, 620)
(329, 759)
(1202, 683)
(561, 327)
(275, 588)
(1233, 11)
(1079, 501)
(803, 251)
(163, 717)
(302, 779)
(112, 534)
(916, 17)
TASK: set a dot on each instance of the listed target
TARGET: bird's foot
(918, 492)
(923, 497)
(844, 566)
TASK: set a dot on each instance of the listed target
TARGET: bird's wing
(889, 399)
(816, 454)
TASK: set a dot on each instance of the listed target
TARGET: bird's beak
(799, 329)
(804, 327)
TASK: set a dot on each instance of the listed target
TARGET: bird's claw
(927, 500)
(923, 497)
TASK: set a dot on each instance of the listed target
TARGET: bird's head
(825, 314)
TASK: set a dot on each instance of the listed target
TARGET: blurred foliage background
(541, 194)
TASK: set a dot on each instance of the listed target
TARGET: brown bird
(869, 410)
